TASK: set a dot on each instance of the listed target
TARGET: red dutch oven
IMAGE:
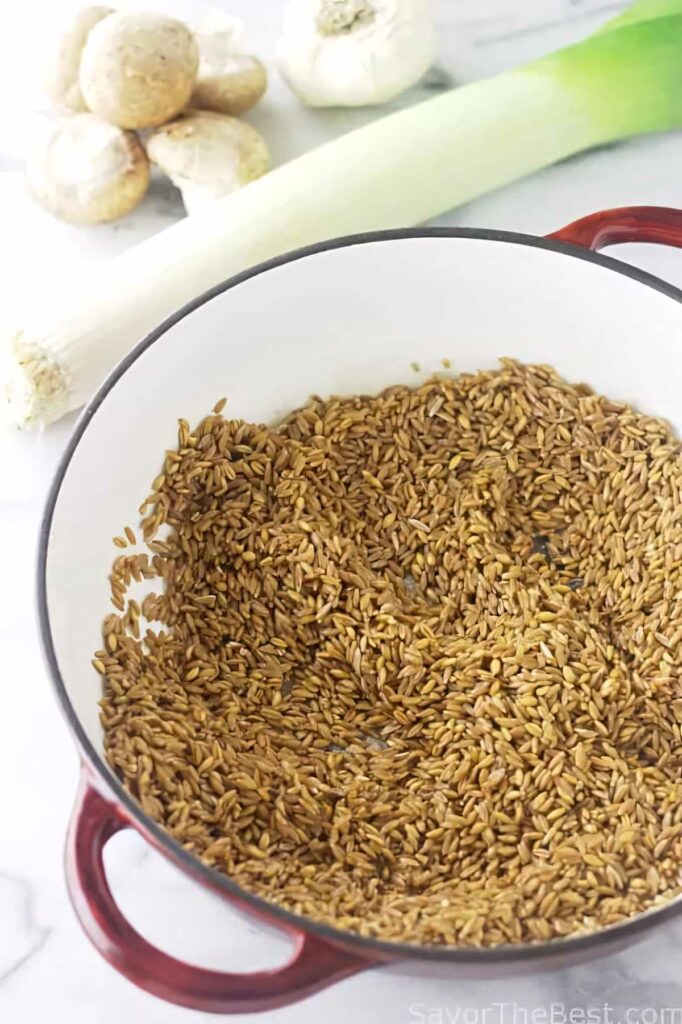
(348, 315)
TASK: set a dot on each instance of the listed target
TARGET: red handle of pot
(314, 965)
(659, 224)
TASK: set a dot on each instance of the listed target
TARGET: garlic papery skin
(353, 53)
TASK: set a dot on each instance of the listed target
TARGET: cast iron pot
(345, 316)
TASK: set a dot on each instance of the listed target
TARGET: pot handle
(314, 965)
(660, 224)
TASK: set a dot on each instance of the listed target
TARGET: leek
(405, 168)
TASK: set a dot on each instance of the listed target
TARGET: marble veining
(27, 938)
(48, 972)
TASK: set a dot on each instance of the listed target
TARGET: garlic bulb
(351, 53)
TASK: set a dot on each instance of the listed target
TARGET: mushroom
(232, 87)
(87, 171)
(61, 81)
(208, 155)
(138, 70)
(228, 81)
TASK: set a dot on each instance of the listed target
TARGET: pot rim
(377, 949)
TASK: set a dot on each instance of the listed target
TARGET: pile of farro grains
(413, 664)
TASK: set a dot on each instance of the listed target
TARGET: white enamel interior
(345, 320)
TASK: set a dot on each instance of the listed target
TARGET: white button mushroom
(87, 171)
(208, 155)
(61, 82)
(233, 87)
(229, 81)
(138, 70)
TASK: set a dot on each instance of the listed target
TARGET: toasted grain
(418, 668)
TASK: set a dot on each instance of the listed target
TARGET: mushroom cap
(212, 151)
(61, 81)
(138, 70)
(232, 87)
(87, 171)
(229, 81)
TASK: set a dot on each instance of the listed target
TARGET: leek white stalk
(400, 170)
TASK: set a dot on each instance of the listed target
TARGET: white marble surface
(48, 972)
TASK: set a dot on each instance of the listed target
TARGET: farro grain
(418, 670)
